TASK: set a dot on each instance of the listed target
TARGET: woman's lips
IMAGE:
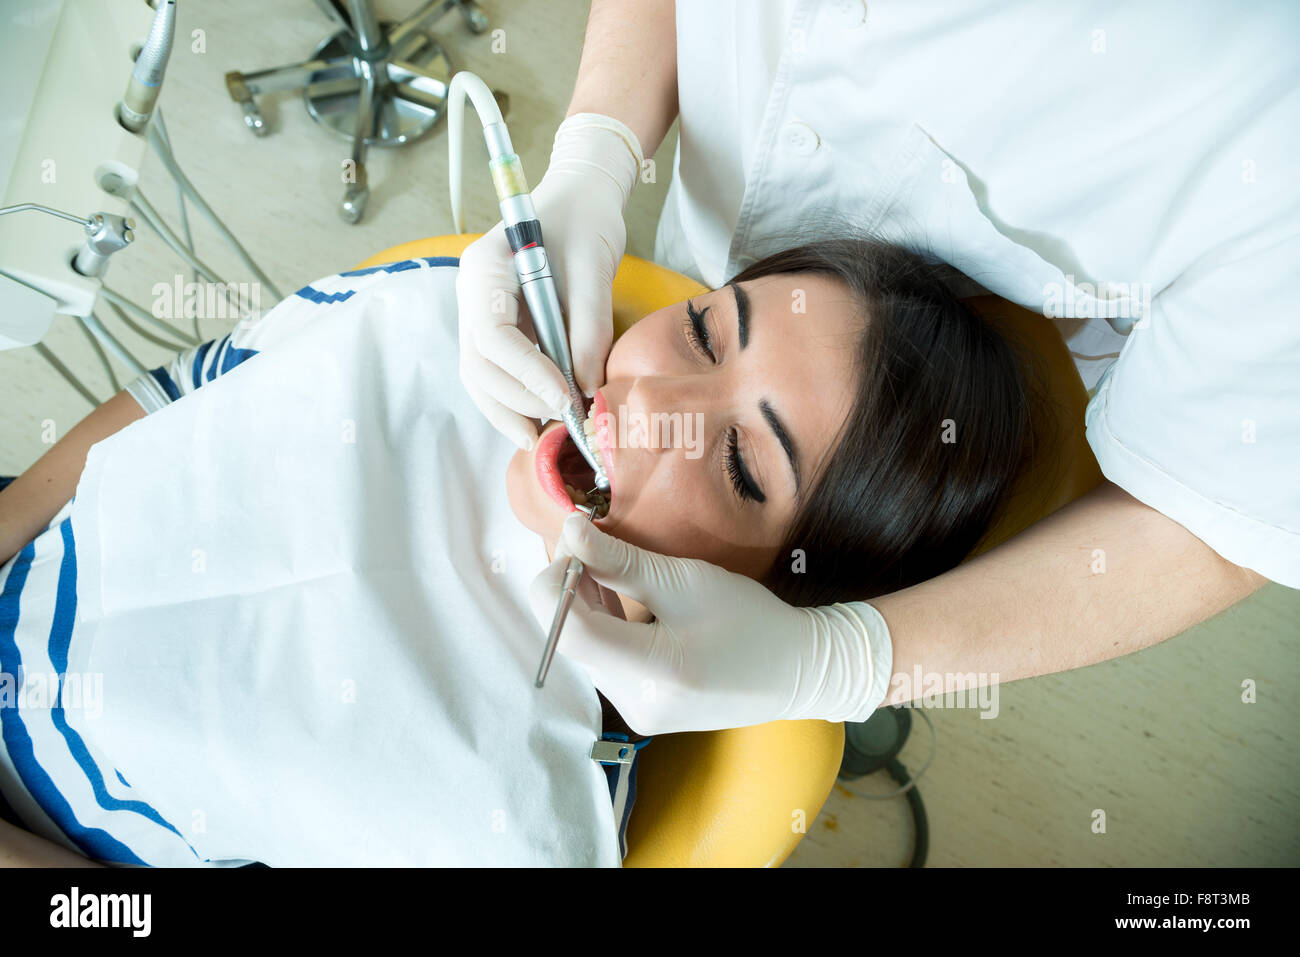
(546, 457)
(546, 461)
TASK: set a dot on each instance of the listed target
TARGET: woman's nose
(668, 412)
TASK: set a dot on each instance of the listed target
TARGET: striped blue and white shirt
(54, 779)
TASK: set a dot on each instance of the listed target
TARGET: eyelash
(740, 479)
(697, 333)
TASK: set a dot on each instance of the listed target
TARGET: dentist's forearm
(629, 67)
(1037, 604)
(29, 502)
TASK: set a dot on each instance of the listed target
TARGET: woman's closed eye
(741, 480)
(697, 332)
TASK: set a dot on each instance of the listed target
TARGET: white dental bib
(307, 595)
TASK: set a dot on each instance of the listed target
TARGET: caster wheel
(870, 745)
(475, 18)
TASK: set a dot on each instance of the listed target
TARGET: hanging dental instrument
(524, 234)
(137, 103)
(106, 233)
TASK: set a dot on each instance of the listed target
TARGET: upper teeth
(589, 427)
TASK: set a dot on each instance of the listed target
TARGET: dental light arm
(524, 233)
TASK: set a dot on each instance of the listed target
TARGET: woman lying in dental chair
(300, 587)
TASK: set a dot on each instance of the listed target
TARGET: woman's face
(712, 425)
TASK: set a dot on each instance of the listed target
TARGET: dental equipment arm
(524, 234)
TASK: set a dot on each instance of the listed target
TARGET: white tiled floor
(1187, 773)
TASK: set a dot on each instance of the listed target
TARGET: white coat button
(801, 138)
(848, 13)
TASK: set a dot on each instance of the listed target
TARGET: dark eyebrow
(783, 437)
(773, 420)
(742, 313)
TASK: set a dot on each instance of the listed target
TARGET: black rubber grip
(521, 235)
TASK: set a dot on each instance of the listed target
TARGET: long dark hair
(942, 426)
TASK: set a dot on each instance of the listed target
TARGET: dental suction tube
(524, 233)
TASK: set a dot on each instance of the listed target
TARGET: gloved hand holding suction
(580, 201)
(723, 651)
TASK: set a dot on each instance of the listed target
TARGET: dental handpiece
(538, 286)
(572, 575)
(524, 233)
(137, 103)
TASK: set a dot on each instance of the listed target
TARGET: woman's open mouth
(564, 473)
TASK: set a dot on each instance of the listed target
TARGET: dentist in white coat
(1132, 166)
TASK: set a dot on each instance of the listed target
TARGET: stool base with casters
(373, 83)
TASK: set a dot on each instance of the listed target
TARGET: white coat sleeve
(1199, 417)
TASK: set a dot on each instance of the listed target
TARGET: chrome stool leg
(358, 188)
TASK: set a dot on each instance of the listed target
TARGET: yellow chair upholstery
(745, 797)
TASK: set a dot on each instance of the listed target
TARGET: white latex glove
(595, 162)
(723, 651)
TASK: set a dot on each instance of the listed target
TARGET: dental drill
(524, 234)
